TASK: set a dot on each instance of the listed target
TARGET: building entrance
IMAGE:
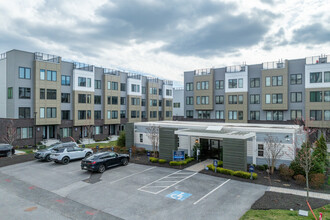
(211, 148)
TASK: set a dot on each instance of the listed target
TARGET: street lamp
(35, 129)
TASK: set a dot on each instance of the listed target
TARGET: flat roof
(216, 134)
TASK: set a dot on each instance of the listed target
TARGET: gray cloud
(275, 40)
(315, 33)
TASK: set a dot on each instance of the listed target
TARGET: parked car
(44, 154)
(6, 150)
(101, 161)
(65, 153)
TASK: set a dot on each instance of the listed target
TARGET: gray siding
(168, 142)
(234, 154)
(67, 70)
(129, 134)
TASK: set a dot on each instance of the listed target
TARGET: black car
(6, 150)
(101, 161)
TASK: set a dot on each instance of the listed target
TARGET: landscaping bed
(6, 161)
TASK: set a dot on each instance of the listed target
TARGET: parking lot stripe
(176, 183)
(132, 175)
(158, 179)
(211, 192)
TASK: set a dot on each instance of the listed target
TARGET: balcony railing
(3, 56)
(153, 79)
(179, 88)
(273, 65)
(134, 76)
(235, 69)
(318, 59)
(111, 72)
(168, 82)
(83, 66)
(201, 72)
(47, 57)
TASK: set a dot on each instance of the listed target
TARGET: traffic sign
(178, 195)
(148, 154)
(251, 168)
(215, 163)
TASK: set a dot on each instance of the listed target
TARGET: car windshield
(94, 157)
(4, 146)
(58, 150)
(52, 146)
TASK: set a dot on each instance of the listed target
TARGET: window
(316, 77)
(65, 80)
(267, 99)
(153, 91)
(168, 114)
(10, 92)
(153, 114)
(89, 82)
(81, 98)
(277, 98)
(254, 115)
(65, 132)
(65, 98)
(205, 100)
(255, 99)
(267, 83)
(82, 81)
(24, 73)
(24, 112)
(219, 115)
(97, 99)
(277, 115)
(136, 101)
(176, 105)
(240, 99)
(51, 112)
(65, 115)
(198, 85)
(316, 96)
(144, 90)
(327, 115)
(109, 85)
(160, 91)
(269, 115)
(114, 85)
(160, 103)
(232, 115)
(189, 114)
(122, 114)
(141, 138)
(135, 114)
(198, 100)
(51, 94)
(143, 114)
(97, 84)
(219, 99)
(143, 102)
(219, 84)
(136, 88)
(123, 100)
(316, 115)
(123, 87)
(260, 150)
(42, 74)
(114, 100)
(232, 99)
(240, 83)
(42, 94)
(153, 102)
(114, 114)
(24, 93)
(277, 81)
(189, 100)
(296, 114)
(81, 115)
(42, 112)
(254, 82)
(97, 114)
(295, 79)
(296, 97)
(24, 133)
(89, 114)
(327, 76)
(168, 103)
(204, 114)
(327, 96)
(232, 83)
(240, 115)
(51, 75)
(189, 86)
(168, 92)
(109, 114)
(205, 85)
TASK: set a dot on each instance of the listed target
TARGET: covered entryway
(211, 149)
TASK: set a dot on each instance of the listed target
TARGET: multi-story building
(271, 92)
(178, 103)
(44, 97)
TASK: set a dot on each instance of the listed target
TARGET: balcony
(168, 82)
(273, 65)
(235, 69)
(134, 76)
(153, 79)
(111, 72)
(47, 57)
(201, 72)
(318, 59)
(83, 66)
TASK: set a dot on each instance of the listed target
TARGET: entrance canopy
(243, 135)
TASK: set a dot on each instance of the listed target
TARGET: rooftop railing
(134, 76)
(318, 59)
(179, 88)
(153, 79)
(83, 66)
(168, 82)
(273, 65)
(3, 56)
(235, 69)
(47, 57)
(201, 72)
(111, 72)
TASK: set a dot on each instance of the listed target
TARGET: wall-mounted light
(75, 129)
(38, 128)
(196, 141)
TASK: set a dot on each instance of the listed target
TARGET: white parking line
(132, 175)
(176, 183)
(211, 192)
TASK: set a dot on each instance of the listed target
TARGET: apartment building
(45, 97)
(271, 92)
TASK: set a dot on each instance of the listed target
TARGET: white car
(65, 153)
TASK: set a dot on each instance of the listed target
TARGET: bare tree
(153, 135)
(89, 128)
(11, 133)
(273, 151)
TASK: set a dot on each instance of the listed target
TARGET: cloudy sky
(166, 38)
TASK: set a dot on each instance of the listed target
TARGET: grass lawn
(284, 214)
(101, 145)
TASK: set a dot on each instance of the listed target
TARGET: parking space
(138, 191)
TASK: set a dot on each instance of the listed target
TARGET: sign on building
(178, 155)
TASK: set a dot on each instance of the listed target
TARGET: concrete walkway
(199, 166)
(299, 192)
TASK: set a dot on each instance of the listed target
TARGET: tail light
(94, 162)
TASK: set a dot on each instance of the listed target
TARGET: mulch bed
(143, 159)
(6, 161)
(264, 180)
(274, 200)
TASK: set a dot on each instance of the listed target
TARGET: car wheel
(101, 168)
(9, 154)
(65, 160)
(88, 154)
(47, 158)
(124, 161)
(13, 151)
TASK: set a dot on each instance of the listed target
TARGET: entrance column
(254, 149)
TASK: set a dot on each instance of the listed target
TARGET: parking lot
(38, 189)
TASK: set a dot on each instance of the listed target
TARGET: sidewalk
(299, 192)
(199, 166)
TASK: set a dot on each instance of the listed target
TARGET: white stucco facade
(86, 74)
(320, 67)
(237, 75)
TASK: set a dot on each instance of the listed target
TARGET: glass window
(316, 115)
(219, 114)
(114, 85)
(198, 85)
(97, 99)
(51, 112)
(81, 115)
(89, 114)
(42, 112)
(267, 83)
(143, 90)
(277, 98)
(315, 96)
(267, 98)
(296, 97)
(255, 82)
(327, 115)
(327, 76)
(260, 150)
(81, 98)
(189, 86)
(240, 99)
(255, 99)
(42, 74)
(123, 87)
(65, 80)
(240, 115)
(277, 115)
(240, 83)
(51, 94)
(189, 100)
(24, 93)
(82, 81)
(254, 115)
(24, 112)
(232, 115)
(114, 114)
(316, 77)
(296, 114)
(277, 81)
(269, 115)
(327, 96)
(189, 114)
(54, 76)
(65, 114)
(232, 83)
(42, 94)
(114, 100)
(97, 114)
(97, 84)
(219, 99)
(65, 97)
(24, 73)
(295, 79)
(89, 82)
(10, 92)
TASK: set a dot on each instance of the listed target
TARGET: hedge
(162, 161)
(153, 160)
(241, 174)
(182, 162)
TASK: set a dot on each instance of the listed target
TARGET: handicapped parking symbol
(178, 195)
